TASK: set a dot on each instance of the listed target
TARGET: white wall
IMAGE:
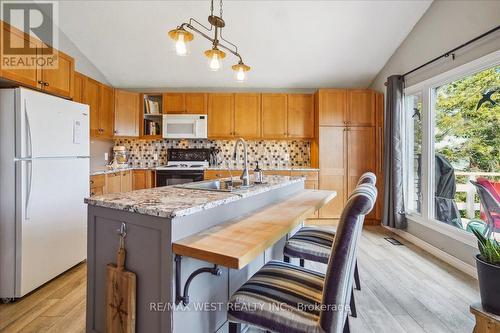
(445, 25)
(82, 63)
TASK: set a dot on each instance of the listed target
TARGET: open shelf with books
(152, 116)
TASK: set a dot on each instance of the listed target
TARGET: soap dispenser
(257, 175)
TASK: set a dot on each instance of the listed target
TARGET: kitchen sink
(216, 185)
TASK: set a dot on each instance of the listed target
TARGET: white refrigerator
(44, 178)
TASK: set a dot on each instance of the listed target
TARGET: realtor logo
(29, 35)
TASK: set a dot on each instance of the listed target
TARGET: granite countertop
(171, 201)
(106, 171)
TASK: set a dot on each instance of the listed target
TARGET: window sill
(445, 229)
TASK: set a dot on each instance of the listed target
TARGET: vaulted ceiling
(288, 44)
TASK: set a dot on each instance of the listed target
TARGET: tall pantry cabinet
(348, 142)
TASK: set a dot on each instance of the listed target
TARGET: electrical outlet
(155, 157)
(106, 157)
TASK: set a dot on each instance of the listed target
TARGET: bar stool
(315, 243)
(282, 297)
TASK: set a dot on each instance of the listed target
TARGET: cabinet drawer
(216, 174)
(277, 173)
(310, 175)
(97, 181)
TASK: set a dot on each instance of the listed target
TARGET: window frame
(428, 90)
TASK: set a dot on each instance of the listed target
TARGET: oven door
(175, 177)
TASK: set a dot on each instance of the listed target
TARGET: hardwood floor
(404, 289)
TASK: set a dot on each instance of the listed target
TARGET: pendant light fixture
(215, 55)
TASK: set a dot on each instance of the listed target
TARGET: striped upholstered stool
(282, 297)
(315, 243)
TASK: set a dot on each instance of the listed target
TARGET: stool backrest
(367, 178)
(340, 270)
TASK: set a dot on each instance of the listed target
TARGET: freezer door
(50, 126)
(52, 218)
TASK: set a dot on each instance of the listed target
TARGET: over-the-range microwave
(185, 126)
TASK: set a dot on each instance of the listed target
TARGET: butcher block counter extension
(172, 232)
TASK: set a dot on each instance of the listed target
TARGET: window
(466, 142)
(413, 107)
(453, 138)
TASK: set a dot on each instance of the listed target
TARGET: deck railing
(471, 205)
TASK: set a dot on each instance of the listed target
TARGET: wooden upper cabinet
(300, 116)
(59, 80)
(361, 107)
(26, 76)
(247, 115)
(127, 112)
(78, 87)
(91, 97)
(274, 116)
(220, 115)
(106, 110)
(173, 103)
(332, 108)
(195, 103)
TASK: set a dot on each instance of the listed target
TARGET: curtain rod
(450, 52)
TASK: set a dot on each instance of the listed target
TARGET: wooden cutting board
(120, 296)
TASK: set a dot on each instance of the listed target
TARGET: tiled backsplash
(269, 153)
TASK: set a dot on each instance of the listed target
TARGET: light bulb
(241, 75)
(215, 62)
(180, 46)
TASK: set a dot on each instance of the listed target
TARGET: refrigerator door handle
(28, 127)
(29, 173)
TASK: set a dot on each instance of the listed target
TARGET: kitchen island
(172, 232)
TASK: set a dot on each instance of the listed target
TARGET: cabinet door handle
(46, 84)
(91, 181)
(40, 82)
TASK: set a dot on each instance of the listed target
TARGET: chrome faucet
(244, 175)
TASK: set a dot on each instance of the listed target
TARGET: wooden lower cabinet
(121, 181)
(97, 185)
(143, 179)
(113, 182)
(126, 181)
(332, 165)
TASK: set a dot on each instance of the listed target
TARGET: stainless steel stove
(183, 166)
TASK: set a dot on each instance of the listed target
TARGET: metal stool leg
(234, 327)
(286, 259)
(353, 305)
(301, 262)
(356, 276)
(346, 326)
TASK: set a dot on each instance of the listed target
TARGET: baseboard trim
(446, 257)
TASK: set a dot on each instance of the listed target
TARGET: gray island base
(193, 223)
